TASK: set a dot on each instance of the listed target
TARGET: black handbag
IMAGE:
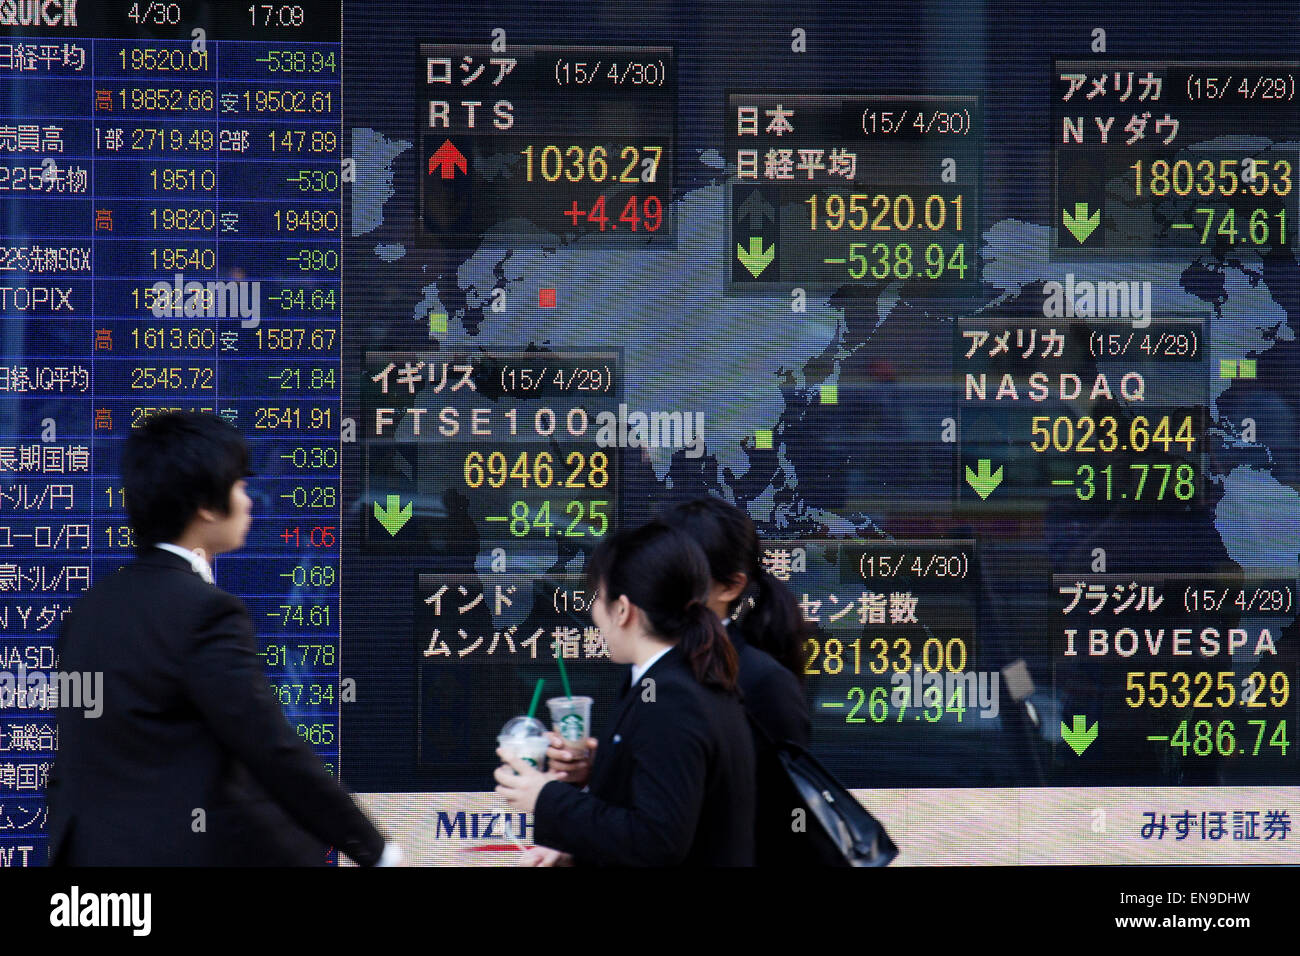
(837, 830)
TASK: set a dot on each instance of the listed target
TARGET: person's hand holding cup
(572, 765)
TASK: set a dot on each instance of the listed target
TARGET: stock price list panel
(480, 643)
(170, 174)
(535, 141)
(829, 190)
(1098, 415)
(510, 450)
(891, 664)
(1170, 157)
(1183, 677)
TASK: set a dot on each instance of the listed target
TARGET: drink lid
(523, 727)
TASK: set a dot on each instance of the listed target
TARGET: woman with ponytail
(673, 780)
(762, 616)
(767, 627)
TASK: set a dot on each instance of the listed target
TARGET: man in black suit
(192, 762)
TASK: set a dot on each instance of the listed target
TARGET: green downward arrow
(984, 480)
(1081, 224)
(1081, 735)
(756, 258)
(394, 516)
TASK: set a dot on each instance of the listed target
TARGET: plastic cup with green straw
(517, 732)
(525, 737)
(570, 716)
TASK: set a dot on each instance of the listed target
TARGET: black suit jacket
(771, 693)
(189, 724)
(672, 783)
(778, 705)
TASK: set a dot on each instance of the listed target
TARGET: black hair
(766, 613)
(665, 574)
(173, 465)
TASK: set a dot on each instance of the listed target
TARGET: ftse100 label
(509, 448)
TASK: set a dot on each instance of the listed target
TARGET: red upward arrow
(449, 158)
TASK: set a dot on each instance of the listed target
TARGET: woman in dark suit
(673, 781)
(767, 627)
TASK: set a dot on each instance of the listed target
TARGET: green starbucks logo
(571, 727)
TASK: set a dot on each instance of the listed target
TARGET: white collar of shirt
(639, 670)
(200, 566)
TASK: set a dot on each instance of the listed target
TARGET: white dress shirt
(639, 669)
(200, 566)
